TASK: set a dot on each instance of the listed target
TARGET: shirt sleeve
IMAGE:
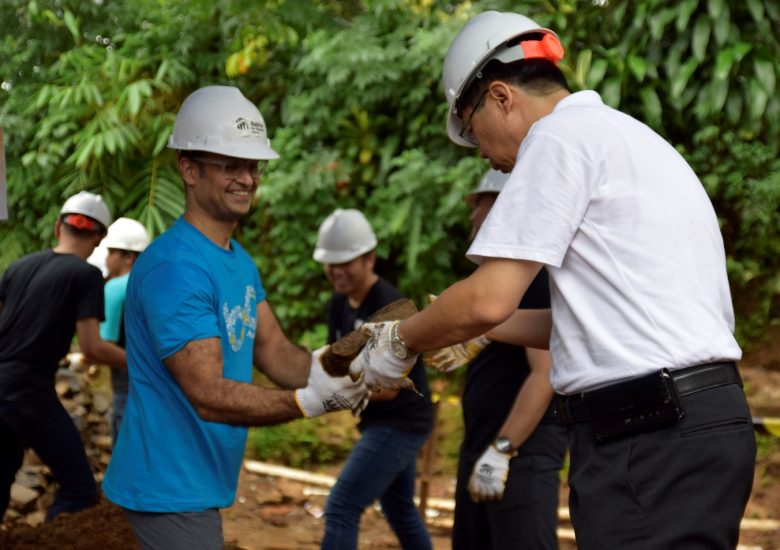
(179, 303)
(90, 303)
(538, 212)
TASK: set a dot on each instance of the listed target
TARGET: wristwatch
(503, 445)
(397, 344)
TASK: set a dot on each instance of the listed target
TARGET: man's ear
(57, 228)
(501, 92)
(189, 170)
(371, 259)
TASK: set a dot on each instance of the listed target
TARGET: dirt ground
(277, 514)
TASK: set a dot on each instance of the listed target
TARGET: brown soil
(275, 514)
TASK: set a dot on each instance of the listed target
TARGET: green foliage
(304, 443)
(93, 90)
(766, 446)
(351, 93)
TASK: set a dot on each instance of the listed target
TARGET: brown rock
(35, 518)
(337, 358)
(100, 404)
(290, 490)
(23, 498)
(269, 496)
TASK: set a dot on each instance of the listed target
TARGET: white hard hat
(98, 259)
(126, 234)
(485, 37)
(343, 236)
(219, 119)
(492, 182)
(87, 204)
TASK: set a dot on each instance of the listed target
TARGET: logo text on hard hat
(249, 128)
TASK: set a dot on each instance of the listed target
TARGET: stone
(23, 498)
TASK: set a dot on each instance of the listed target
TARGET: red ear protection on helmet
(549, 48)
(80, 221)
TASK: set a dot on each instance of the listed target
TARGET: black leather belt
(573, 408)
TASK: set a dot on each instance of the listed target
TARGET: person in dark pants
(642, 325)
(395, 425)
(509, 427)
(46, 298)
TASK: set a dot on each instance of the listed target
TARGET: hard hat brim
(243, 151)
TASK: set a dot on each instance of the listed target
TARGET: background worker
(660, 437)
(395, 425)
(197, 319)
(45, 298)
(125, 240)
(513, 446)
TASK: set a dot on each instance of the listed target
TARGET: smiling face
(119, 262)
(353, 278)
(218, 186)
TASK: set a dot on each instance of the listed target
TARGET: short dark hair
(125, 253)
(192, 156)
(536, 76)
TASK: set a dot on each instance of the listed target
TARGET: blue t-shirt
(182, 288)
(114, 291)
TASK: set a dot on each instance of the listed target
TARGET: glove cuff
(309, 404)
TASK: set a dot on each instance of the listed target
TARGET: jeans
(382, 465)
(45, 426)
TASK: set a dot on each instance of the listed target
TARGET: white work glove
(378, 366)
(455, 356)
(488, 479)
(324, 393)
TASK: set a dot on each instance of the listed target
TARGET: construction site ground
(282, 512)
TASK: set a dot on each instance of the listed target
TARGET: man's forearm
(531, 402)
(231, 402)
(285, 364)
(526, 327)
(470, 307)
(106, 353)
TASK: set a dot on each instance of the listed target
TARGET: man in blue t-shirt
(197, 319)
(125, 240)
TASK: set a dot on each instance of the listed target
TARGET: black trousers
(527, 516)
(683, 487)
(45, 426)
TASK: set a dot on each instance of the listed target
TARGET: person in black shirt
(45, 298)
(395, 424)
(513, 447)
